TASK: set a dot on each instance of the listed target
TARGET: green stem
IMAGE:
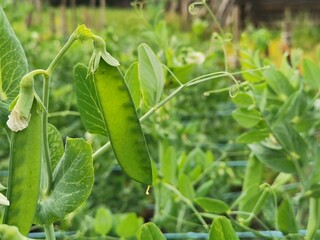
(46, 151)
(46, 91)
(188, 203)
(258, 205)
(246, 228)
(64, 49)
(49, 230)
(314, 218)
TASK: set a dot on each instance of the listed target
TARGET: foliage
(192, 138)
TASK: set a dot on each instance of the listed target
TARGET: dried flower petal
(3, 200)
(16, 121)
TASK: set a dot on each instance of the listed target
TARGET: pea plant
(279, 107)
(50, 177)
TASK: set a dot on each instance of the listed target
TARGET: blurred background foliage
(193, 135)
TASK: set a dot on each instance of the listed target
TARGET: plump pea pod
(123, 125)
(24, 173)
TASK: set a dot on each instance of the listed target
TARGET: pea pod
(24, 173)
(123, 125)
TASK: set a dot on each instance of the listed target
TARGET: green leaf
(222, 229)
(72, 182)
(128, 225)
(204, 188)
(248, 199)
(13, 62)
(4, 113)
(151, 75)
(314, 191)
(250, 61)
(311, 73)
(88, 103)
(290, 140)
(103, 221)
(55, 145)
(253, 135)
(293, 107)
(133, 82)
(168, 164)
(286, 221)
(150, 231)
(243, 100)
(185, 187)
(247, 118)
(212, 205)
(250, 187)
(276, 159)
(278, 83)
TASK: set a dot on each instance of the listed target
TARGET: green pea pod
(123, 125)
(24, 173)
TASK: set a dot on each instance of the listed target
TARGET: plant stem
(314, 218)
(257, 206)
(49, 230)
(63, 50)
(46, 152)
(188, 203)
(46, 91)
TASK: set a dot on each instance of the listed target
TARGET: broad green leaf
(204, 188)
(55, 145)
(248, 199)
(151, 75)
(250, 188)
(277, 160)
(133, 82)
(13, 62)
(168, 164)
(247, 118)
(281, 179)
(185, 187)
(88, 104)
(278, 83)
(286, 221)
(249, 62)
(253, 173)
(128, 225)
(253, 135)
(243, 100)
(293, 107)
(212, 205)
(222, 229)
(290, 140)
(182, 73)
(8, 232)
(260, 92)
(150, 231)
(103, 221)
(311, 73)
(4, 113)
(72, 182)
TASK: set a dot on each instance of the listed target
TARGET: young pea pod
(24, 173)
(123, 125)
